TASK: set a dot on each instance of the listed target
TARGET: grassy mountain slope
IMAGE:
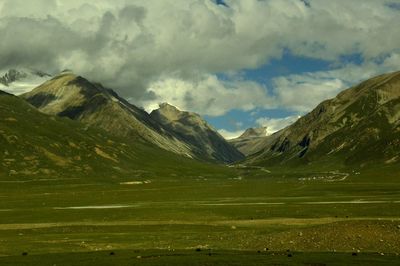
(35, 145)
(359, 127)
(72, 96)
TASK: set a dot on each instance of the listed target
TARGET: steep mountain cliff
(190, 128)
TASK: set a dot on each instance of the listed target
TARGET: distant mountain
(11, 76)
(37, 146)
(249, 142)
(190, 128)
(72, 96)
(18, 81)
(359, 127)
(254, 133)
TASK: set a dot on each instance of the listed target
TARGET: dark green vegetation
(184, 257)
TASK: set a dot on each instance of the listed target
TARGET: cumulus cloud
(142, 47)
(208, 95)
(230, 134)
(275, 124)
(302, 92)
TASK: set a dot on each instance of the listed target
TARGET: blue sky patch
(236, 120)
(287, 65)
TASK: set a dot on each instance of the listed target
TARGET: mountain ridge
(192, 128)
(250, 140)
(38, 146)
(358, 127)
(68, 95)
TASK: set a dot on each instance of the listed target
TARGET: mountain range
(184, 133)
(359, 127)
(70, 125)
(35, 145)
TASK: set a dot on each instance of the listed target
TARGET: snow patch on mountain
(19, 81)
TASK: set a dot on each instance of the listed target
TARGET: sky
(238, 63)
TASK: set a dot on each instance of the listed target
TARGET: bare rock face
(190, 128)
(359, 126)
(68, 95)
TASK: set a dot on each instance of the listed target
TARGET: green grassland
(249, 217)
(72, 195)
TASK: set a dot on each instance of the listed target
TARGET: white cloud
(137, 47)
(275, 124)
(208, 95)
(302, 92)
(230, 134)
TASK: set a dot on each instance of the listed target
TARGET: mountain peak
(18, 81)
(73, 96)
(12, 75)
(254, 133)
(166, 105)
(193, 129)
(169, 113)
(169, 110)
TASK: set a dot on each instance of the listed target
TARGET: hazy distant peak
(13, 75)
(254, 133)
(21, 80)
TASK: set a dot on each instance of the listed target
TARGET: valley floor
(252, 219)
